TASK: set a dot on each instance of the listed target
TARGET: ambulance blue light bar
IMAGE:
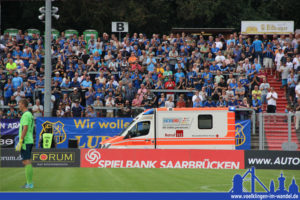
(232, 108)
(149, 112)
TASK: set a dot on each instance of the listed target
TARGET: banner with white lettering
(9, 132)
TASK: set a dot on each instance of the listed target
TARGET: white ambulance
(178, 128)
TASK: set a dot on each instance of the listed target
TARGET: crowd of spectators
(208, 71)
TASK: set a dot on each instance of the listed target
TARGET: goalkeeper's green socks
(29, 173)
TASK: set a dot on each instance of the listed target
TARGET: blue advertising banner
(88, 131)
(9, 132)
(91, 131)
(243, 134)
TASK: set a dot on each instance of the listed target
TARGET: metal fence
(277, 131)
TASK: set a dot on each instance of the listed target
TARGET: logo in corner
(92, 156)
(238, 185)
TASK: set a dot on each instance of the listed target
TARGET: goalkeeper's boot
(28, 186)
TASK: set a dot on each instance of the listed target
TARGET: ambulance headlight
(232, 108)
(106, 145)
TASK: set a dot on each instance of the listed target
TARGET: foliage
(150, 16)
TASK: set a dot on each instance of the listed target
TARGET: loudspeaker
(73, 143)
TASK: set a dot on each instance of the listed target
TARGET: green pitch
(133, 180)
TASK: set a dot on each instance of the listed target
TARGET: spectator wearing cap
(77, 110)
(209, 103)
(75, 96)
(232, 101)
(57, 78)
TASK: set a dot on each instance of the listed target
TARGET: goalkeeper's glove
(19, 145)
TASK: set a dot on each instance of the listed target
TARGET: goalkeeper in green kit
(26, 141)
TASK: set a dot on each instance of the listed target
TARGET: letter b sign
(119, 27)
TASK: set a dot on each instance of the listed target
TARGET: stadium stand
(106, 77)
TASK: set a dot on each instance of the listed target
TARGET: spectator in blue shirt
(214, 67)
(178, 75)
(57, 78)
(206, 75)
(32, 79)
(8, 91)
(90, 96)
(65, 84)
(257, 65)
(151, 63)
(232, 102)
(221, 103)
(17, 81)
(179, 64)
(197, 103)
(162, 101)
(256, 104)
(87, 83)
(75, 83)
(209, 103)
(258, 46)
(209, 87)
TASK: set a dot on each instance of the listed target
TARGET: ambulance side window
(205, 122)
(140, 129)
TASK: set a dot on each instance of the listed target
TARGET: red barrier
(162, 158)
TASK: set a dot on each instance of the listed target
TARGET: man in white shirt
(271, 101)
(219, 58)
(284, 75)
(278, 57)
(197, 94)
(19, 94)
(37, 109)
(296, 61)
(110, 103)
(297, 90)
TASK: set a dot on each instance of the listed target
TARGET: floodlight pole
(48, 65)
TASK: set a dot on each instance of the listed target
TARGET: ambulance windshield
(127, 127)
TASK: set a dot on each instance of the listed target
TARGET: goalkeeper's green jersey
(27, 119)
